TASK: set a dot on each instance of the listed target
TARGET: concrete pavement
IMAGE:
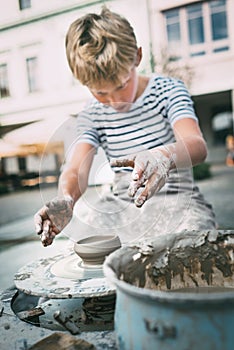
(219, 191)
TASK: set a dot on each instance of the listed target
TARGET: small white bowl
(93, 249)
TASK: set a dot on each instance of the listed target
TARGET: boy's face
(118, 96)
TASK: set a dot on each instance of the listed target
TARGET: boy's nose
(114, 101)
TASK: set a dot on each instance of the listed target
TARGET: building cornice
(162, 5)
(50, 14)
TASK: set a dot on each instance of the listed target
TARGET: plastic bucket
(175, 293)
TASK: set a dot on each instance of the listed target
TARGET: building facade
(200, 34)
(192, 36)
(35, 80)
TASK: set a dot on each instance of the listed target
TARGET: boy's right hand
(52, 218)
(150, 168)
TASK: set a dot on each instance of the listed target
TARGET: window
(32, 73)
(218, 19)
(173, 26)
(198, 29)
(195, 24)
(24, 4)
(4, 84)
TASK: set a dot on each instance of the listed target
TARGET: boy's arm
(190, 147)
(73, 181)
(152, 167)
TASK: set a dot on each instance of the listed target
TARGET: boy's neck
(142, 83)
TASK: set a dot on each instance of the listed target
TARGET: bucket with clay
(175, 293)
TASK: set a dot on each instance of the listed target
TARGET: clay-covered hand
(150, 169)
(52, 218)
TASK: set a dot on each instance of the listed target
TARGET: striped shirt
(147, 124)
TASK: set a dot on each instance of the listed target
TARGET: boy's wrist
(68, 198)
(168, 156)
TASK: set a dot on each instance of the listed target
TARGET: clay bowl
(93, 249)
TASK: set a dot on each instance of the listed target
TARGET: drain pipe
(232, 104)
(149, 14)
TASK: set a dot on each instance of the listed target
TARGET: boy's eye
(100, 93)
(122, 86)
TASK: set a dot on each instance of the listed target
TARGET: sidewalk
(20, 245)
(18, 205)
(219, 191)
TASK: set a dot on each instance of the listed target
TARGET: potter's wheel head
(62, 276)
(87, 262)
(72, 267)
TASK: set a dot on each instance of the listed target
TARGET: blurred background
(39, 99)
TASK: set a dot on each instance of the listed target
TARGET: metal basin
(176, 292)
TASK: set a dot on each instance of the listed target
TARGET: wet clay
(188, 260)
(93, 249)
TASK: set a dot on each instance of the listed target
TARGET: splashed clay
(188, 260)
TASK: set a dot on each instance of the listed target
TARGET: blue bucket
(175, 293)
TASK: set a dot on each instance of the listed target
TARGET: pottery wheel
(62, 276)
(72, 267)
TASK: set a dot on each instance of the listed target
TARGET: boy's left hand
(51, 219)
(149, 168)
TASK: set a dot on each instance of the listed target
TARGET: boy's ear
(139, 56)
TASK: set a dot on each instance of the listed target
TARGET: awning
(40, 132)
(38, 138)
(4, 129)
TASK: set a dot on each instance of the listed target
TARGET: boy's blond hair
(101, 48)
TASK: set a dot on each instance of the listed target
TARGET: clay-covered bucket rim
(165, 296)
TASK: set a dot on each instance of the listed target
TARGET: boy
(148, 130)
